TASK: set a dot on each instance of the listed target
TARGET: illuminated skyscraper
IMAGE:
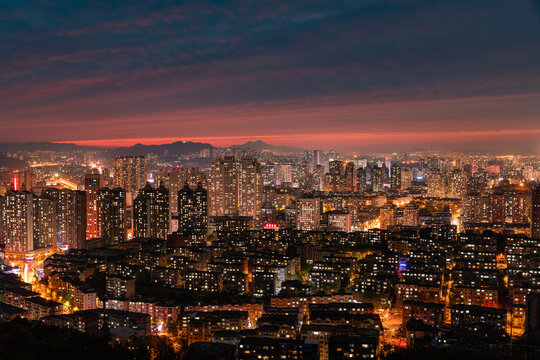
(70, 216)
(361, 180)
(387, 216)
(308, 214)
(21, 180)
(472, 207)
(92, 183)
(406, 178)
(335, 180)
(517, 206)
(283, 173)
(318, 157)
(268, 174)
(350, 176)
(250, 188)
(194, 177)
(173, 180)
(377, 178)
(436, 183)
(44, 213)
(535, 213)
(129, 172)
(335, 167)
(151, 212)
(193, 209)
(299, 176)
(308, 158)
(410, 214)
(395, 177)
(111, 215)
(318, 177)
(27, 222)
(18, 221)
(223, 187)
(457, 184)
(498, 207)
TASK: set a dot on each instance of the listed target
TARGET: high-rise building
(44, 213)
(92, 183)
(27, 222)
(339, 221)
(250, 188)
(436, 183)
(410, 214)
(70, 216)
(20, 180)
(151, 212)
(308, 214)
(283, 173)
(107, 177)
(18, 221)
(193, 209)
(406, 178)
(535, 213)
(111, 215)
(485, 209)
(335, 167)
(308, 158)
(318, 177)
(387, 216)
(318, 157)
(472, 207)
(129, 173)
(268, 174)
(517, 206)
(299, 176)
(335, 183)
(498, 207)
(350, 176)
(457, 184)
(377, 178)
(336, 180)
(173, 180)
(360, 163)
(387, 171)
(361, 180)
(223, 187)
(395, 177)
(194, 177)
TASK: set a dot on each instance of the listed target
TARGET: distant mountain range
(175, 148)
(260, 145)
(43, 146)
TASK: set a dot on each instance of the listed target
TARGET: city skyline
(374, 75)
(270, 179)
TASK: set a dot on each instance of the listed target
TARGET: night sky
(349, 75)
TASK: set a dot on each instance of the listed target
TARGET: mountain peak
(259, 145)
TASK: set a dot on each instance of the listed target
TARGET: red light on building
(15, 184)
(271, 226)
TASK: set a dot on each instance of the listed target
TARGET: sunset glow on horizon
(371, 74)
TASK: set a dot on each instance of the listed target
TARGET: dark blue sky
(357, 74)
